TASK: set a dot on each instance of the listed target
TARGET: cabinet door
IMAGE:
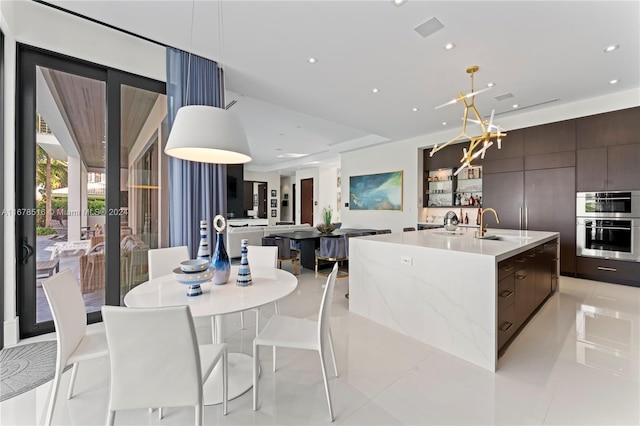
(623, 167)
(612, 128)
(591, 174)
(503, 192)
(550, 205)
(549, 138)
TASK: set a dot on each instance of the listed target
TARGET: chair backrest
(154, 355)
(325, 307)
(163, 261)
(333, 247)
(67, 308)
(262, 256)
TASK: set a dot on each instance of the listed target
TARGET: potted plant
(327, 226)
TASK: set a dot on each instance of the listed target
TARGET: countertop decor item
(193, 280)
(244, 273)
(194, 265)
(203, 248)
(220, 260)
(451, 221)
(326, 226)
(478, 145)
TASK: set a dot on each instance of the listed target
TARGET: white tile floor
(576, 363)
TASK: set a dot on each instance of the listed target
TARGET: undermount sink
(449, 233)
(498, 237)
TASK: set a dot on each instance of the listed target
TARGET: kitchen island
(463, 295)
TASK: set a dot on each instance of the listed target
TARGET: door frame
(28, 58)
(2, 240)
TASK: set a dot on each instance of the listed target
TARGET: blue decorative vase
(203, 248)
(244, 273)
(220, 259)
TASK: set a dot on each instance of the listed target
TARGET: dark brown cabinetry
(609, 270)
(612, 128)
(613, 168)
(524, 283)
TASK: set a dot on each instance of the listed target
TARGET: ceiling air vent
(504, 96)
(429, 27)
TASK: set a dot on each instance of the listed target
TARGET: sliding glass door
(78, 127)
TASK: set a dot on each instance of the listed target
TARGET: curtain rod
(104, 24)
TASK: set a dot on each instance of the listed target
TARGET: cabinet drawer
(614, 271)
(507, 267)
(506, 293)
(506, 325)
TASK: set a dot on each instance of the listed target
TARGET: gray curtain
(196, 190)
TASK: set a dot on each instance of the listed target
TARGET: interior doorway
(306, 201)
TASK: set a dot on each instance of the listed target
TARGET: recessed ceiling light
(398, 2)
(415, 109)
(490, 84)
(515, 105)
(449, 46)
(375, 90)
(312, 60)
(292, 155)
(444, 123)
(611, 48)
(614, 81)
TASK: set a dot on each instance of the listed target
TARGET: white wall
(327, 192)
(273, 182)
(286, 187)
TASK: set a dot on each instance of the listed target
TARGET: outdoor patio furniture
(47, 267)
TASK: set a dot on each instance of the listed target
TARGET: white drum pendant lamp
(208, 135)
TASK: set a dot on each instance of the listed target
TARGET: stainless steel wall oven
(608, 225)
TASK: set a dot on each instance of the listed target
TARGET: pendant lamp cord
(221, 72)
(186, 96)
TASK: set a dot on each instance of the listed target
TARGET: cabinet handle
(526, 218)
(521, 260)
(520, 217)
(506, 294)
(531, 255)
(506, 326)
(508, 268)
(520, 277)
(604, 268)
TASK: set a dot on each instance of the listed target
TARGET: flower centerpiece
(327, 226)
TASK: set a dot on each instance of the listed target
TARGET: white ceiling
(540, 51)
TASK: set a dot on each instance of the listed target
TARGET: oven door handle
(615, 228)
(595, 200)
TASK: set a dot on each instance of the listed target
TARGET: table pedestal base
(240, 379)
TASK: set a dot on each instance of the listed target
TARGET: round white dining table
(269, 285)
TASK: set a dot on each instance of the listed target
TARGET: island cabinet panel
(525, 281)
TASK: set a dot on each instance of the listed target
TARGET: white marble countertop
(511, 242)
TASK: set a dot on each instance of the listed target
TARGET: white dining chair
(262, 257)
(156, 360)
(163, 261)
(299, 333)
(70, 319)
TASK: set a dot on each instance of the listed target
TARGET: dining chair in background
(299, 333)
(156, 360)
(74, 345)
(163, 261)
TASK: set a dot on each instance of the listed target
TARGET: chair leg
(111, 417)
(256, 364)
(326, 383)
(274, 358)
(277, 307)
(225, 381)
(160, 413)
(242, 320)
(257, 321)
(333, 353)
(74, 374)
(199, 414)
(54, 395)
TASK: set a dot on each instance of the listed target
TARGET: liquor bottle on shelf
(478, 216)
(466, 219)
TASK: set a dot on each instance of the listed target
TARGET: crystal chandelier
(478, 145)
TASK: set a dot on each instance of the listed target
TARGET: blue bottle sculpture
(220, 259)
(244, 273)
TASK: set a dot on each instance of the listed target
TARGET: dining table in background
(309, 241)
(269, 285)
